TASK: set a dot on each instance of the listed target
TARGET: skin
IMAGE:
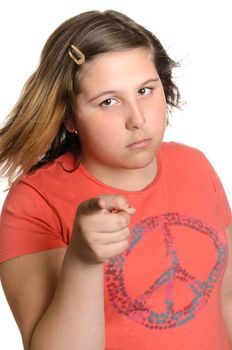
(131, 107)
(67, 284)
(64, 280)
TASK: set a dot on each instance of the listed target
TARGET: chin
(141, 163)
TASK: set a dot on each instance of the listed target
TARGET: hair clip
(80, 56)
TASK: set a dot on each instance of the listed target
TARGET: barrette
(79, 58)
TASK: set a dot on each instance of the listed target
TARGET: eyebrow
(110, 92)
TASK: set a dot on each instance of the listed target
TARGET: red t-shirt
(163, 292)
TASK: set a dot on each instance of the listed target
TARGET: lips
(140, 143)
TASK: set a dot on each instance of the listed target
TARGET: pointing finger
(115, 203)
(110, 203)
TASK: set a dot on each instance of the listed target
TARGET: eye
(108, 103)
(145, 91)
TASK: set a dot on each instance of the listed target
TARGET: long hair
(34, 132)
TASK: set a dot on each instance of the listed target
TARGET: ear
(70, 124)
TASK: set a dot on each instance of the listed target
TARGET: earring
(167, 119)
(76, 132)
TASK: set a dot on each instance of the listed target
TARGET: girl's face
(121, 111)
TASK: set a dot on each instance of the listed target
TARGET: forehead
(116, 67)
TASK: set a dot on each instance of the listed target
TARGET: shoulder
(41, 189)
(56, 169)
(182, 155)
(175, 148)
(32, 217)
(47, 179)
(186, 163)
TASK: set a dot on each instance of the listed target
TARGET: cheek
(157, 112)
(160, 107)
(98, 134)
(161, 101)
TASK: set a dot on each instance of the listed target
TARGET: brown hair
(34, 132)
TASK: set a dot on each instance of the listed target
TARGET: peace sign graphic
(137, 309)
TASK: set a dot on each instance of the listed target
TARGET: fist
(100, 229)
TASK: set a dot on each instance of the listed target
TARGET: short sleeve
(220, 195)
(28, 223)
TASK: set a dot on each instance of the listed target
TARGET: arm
(57, 296)
(50, 319)
(227, 288)
(75, 317)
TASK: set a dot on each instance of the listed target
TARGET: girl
(110, 238)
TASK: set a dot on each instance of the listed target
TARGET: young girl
(110, 238)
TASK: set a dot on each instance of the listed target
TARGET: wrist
(82, 256)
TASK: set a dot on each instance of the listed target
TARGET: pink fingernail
(130, 207)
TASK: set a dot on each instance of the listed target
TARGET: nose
(135, 116)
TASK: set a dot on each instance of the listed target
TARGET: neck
(125, 179)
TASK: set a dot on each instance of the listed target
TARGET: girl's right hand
(100, 228)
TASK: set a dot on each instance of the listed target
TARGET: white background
(197, 33)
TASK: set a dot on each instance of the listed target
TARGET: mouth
(140, 143)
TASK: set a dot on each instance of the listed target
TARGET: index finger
(115, 203)
(110, 203)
